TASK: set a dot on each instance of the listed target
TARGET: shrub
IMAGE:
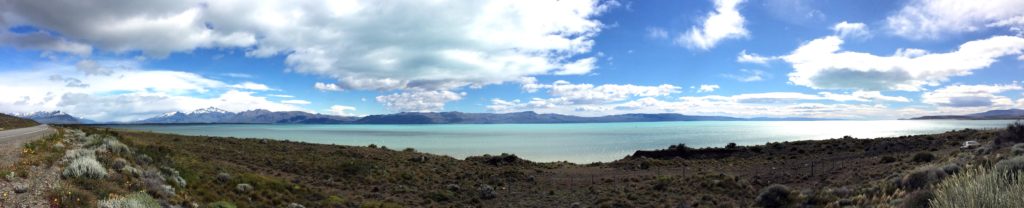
(776, 195)
(980, 188)
(118, 164)
(1014, 133)
(922, 177)
(77, 153)
(134, 200)
(116, 147)
(223, 177)
(887, 159)
(487, 192)
(923, 157)
(1017, 149)
(243, 188)
(221, 204)
(1011, 166)
(918, 199)
(951, 168)
(85, 166)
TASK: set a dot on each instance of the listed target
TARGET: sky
(854, 59)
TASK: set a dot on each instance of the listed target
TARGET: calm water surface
(578, 143)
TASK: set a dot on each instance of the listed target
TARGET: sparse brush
(85, 166)
(1012, 166)
(922, 177)
(1017, 149)
(980, 188)
(77, 153)
(134, 200)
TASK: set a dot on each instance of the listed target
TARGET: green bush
(980, 188)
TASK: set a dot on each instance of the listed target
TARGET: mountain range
(987, 115)
(215, 115)
(54, 117)
(260, 116)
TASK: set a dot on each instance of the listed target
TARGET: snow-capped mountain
(54, 117)
(216, 115)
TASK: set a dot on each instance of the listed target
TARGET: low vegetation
(193, 171)
(13, 122)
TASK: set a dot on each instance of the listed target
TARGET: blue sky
(776, 58)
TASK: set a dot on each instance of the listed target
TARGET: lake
(578, 143)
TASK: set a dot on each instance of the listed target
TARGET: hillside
(54, 117)
(881, 172)
(1008, 114)
(13, 122)
(215, 115)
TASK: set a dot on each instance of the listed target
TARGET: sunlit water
(578, 143)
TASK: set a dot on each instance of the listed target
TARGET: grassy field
(908, 171)
(12, 122)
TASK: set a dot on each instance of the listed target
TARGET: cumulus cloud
(342, 110)
(419, 101)
(723, 23)
(355, 42)
(821, 64)
(707, 88)
(134, 93)
(745, 57)
(851, 30)
(749, 75)
(251, 86)
(155, 28)
(930, 19)
(970, 96)
(327, 87)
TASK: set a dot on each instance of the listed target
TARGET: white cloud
(772, 104)
(851, 30)
(581, 66)
(749, 75)
(296, 102)
(251, 86)
(745, 57)
(90, 67)
(133, 93)
(707, 88)
(657, 33)
(723, 23)
(327, 87)
(565, 91)
(342, 110)
(820, 64)
(238, 75)
(970, 96)
(155, 28)
(419, 101)
(355, 42)
(281, 96)
(930, 19)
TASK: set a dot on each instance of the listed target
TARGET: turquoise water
(578, 143)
